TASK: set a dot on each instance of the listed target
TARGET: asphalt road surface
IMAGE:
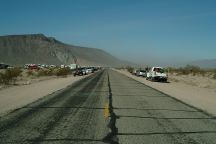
(108, 107)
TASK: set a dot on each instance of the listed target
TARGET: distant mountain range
(209, 63)
(39, 49)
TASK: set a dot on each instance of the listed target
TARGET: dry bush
(46, 72)
(63, 72)
(214, 76)
(214, 73)
(30, 72)
(54, 71)
(10, 76)
(189, 69)
(130, 69)
(1, 78)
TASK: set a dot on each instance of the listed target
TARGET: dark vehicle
(80, 72)
(96, 69)
(3, 66)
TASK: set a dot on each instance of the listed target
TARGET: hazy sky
(134, 30)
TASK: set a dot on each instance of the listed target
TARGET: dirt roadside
(200, 97)
(18, 96)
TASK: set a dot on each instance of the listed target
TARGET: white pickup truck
(157, 74)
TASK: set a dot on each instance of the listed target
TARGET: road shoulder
(201, 98)
(17, 96)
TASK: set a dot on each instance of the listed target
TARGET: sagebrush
(63, 72)
(46, 72)
(10, 76)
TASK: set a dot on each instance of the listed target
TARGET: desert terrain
(106, 107)
(28, 90)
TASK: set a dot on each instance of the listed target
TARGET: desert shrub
(1, 77)
(214, 76)
(63, 72)
(189, 69)
(30, 73)
(171, 70)
(45, 72)
(10, 75)
(193, 69)
(130, 69)
(184, 70)
(213, 71)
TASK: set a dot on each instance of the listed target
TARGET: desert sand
(196, 91)
(18, 96)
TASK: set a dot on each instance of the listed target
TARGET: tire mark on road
(76, 100)
(112, 136)
(37, 108)
(39, 104)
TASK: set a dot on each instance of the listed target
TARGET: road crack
(111, 136)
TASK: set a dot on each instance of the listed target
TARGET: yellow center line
(106, 111)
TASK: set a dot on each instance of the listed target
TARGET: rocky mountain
(37, 48)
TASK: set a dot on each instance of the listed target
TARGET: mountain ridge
(37, 48)
(205, 63)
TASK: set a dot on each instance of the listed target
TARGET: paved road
(79, 114)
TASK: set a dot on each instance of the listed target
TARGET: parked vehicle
(84, 71)
(3, 66)
(89, 70)
(80, 72)
(95, 69)
(33, 67)
(141, 73)
(52, 66)
(42, 66)
(62, 66)
(157, 74)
